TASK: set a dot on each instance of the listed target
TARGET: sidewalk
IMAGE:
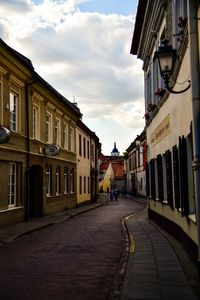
(153, 270)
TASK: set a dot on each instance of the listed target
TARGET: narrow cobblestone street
(76, 259)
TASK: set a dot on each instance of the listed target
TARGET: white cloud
(86, 55)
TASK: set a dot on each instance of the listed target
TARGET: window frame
(49, 136)
(12, 182)
(48, 180)
(66, 180)
(71, 137)
(36, 122)
(57, 131)
(65, 136)
(14, 114)
(72, 181)
(58, 181)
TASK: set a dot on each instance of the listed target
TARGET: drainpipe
(194, 61)
(27, 200)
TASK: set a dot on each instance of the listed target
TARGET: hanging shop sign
(52, 150)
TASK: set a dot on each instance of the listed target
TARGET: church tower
(115, 151)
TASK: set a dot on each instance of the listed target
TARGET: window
(36, 129)
(12, 185)
(84, 185)
(88, 149)
(88, 185)
(71, 139)
(84, 147)
(80, 145)
(65, 137)
(57, 132)
(13, 112)
(160, 177)
(148, 89)
(183, 175)
(57, 181)
(49, 180)
(176, 176)
(80, 185)
(179, 10)
(168, 160)
(92, 152)
(66, 181)
(71, 180)
(49, 128)
(152, 175)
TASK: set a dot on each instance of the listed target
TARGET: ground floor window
(80, 185)
(174, 181)
(49, 180)
(57, 181)
(71, 183)
(12, 184)
(84, 184)
(66, 181)
(88, 185)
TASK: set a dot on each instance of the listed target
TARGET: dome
(115, 151)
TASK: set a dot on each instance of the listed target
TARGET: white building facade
(172, 119)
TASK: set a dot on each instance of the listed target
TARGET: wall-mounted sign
(161, 131)
(52, 150)
(4, 135)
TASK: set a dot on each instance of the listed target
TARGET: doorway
(35, 191)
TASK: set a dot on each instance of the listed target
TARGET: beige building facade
(37, 142)
(88, 149)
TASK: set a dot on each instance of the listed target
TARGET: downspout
(194, 61)
(27, 150)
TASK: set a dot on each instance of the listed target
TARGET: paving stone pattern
(153, 270)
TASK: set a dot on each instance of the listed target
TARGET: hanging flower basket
(151, 107)
(147, 116)
(181, 28)
(160, 92)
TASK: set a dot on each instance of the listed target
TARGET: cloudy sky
(82, 48)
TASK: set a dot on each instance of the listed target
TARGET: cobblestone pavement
(74, 260)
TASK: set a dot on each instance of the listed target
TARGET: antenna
(74, 101)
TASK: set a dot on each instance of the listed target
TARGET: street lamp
(166, 57)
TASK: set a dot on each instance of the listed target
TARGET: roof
(138, 26)
(24, 60)
(118, 168)
(104, 166)
(92, 134)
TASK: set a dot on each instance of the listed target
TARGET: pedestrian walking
(115, 194)
(111, 195)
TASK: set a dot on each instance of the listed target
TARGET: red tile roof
(104, 165)
(118, 168)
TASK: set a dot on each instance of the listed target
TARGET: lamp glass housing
(166, 59)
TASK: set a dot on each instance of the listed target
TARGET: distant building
(88, 148)
(136, 166)
(112, 172)
(115, 151)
